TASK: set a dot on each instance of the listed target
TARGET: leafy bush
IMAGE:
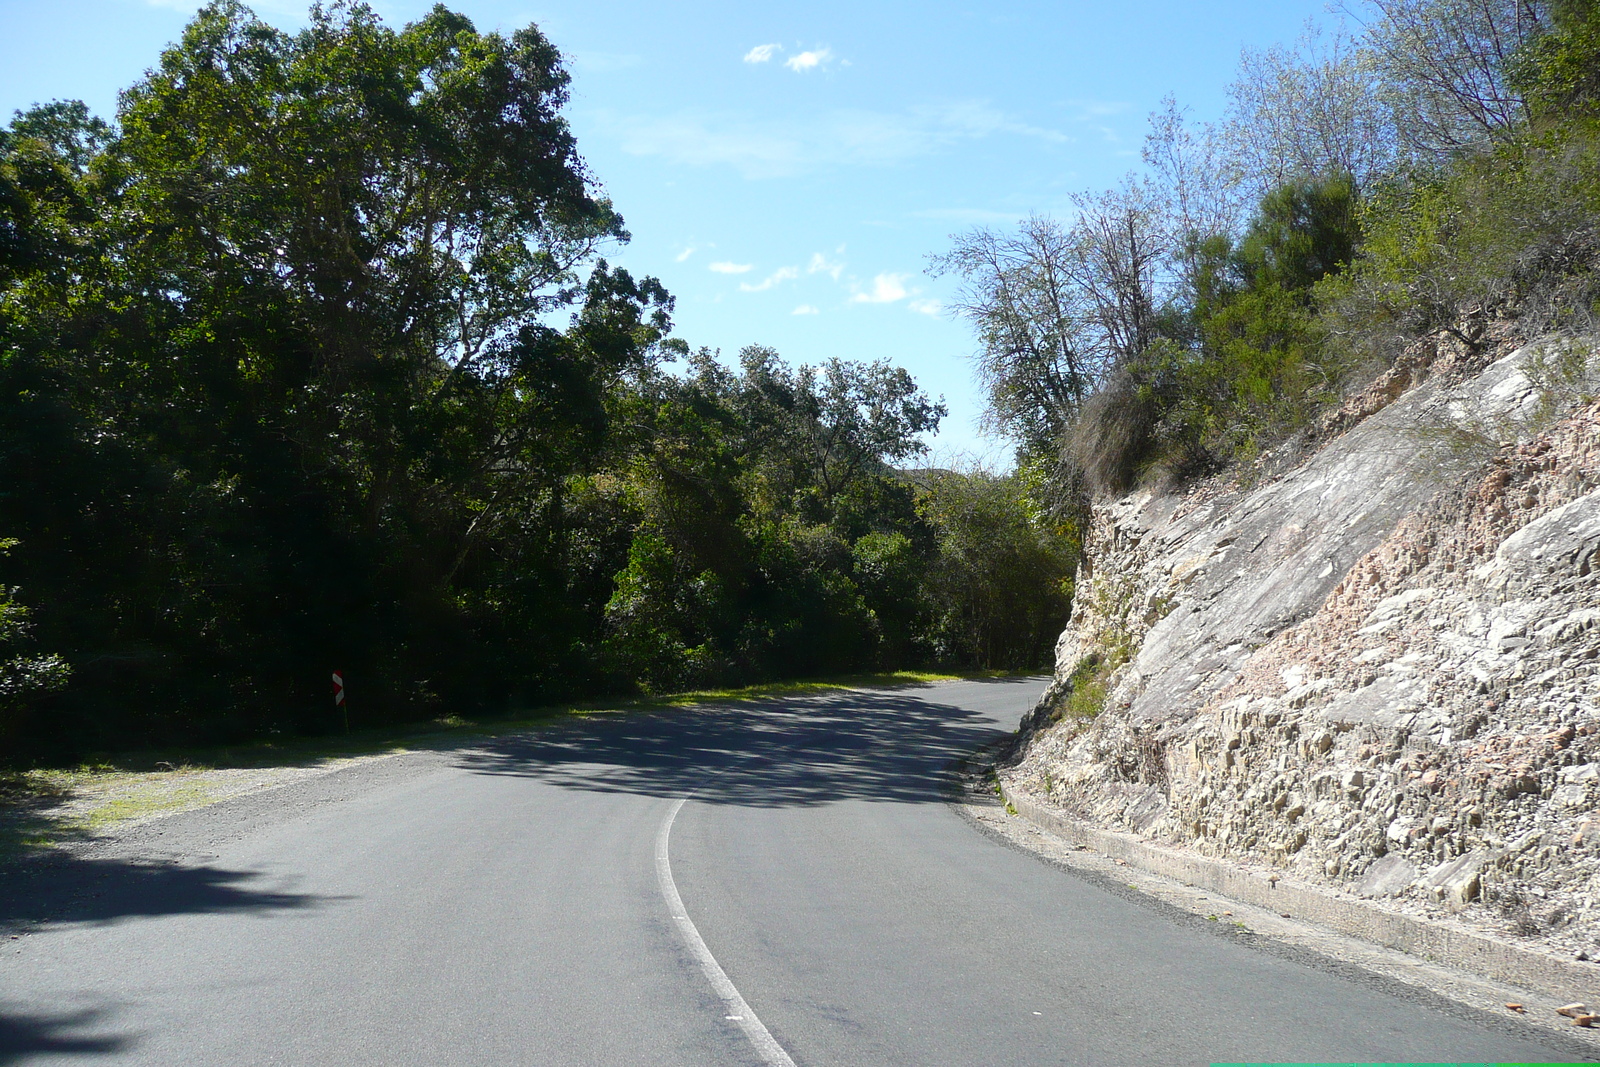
(1559, 71)
(1439, 170)
(1243, 365)
(1112, 439)
(1001, 585)
(1513, 232)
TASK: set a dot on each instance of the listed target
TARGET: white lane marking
(766, 1046)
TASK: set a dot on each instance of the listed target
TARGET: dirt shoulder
(50, 808)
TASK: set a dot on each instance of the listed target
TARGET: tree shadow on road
(45, 892)
(63, 1034)
(883, 745)
(69, 888)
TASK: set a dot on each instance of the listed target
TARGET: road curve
(508, 904)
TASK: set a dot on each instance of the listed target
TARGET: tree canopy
(1429, 172)
(312, 360)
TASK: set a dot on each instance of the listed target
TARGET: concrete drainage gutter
(1534, 970)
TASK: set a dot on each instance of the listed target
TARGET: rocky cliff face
(1378, 669)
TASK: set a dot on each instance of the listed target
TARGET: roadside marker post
(338, 698)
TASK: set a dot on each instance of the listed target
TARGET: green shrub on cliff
(1440, 170)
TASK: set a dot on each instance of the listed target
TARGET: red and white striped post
(338, 698)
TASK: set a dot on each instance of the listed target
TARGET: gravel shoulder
(159, 832)
(46, 812)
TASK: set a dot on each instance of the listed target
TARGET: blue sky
(786, 168)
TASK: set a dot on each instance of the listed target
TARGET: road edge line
(766, 1045)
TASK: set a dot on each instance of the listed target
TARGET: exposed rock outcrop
(1378, 670)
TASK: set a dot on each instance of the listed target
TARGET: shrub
(1514, 233)
(1001, 584)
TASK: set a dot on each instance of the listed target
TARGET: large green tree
(773, 527)
(311, 362)
(286, 385)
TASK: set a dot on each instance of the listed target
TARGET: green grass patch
(27, 799)
(306, 751)
(1089, 684)
(881, 680)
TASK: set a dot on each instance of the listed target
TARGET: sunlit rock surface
(1375, 669)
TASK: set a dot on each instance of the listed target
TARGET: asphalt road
(509, 904)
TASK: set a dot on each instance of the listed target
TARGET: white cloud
(751, 148)
(759, 148)
(809, 60)
(724, 267)
(886, 289)
(777, 277)
(688, 251)
(978, 119)
(761, 53)
(820, 264)
(925, 306)
(1091, 115)
(805, 309)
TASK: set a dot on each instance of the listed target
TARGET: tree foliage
(1002, 580)
(1057, 308)
(1447, 67)
(779, 532)
(1558, 70)
(1307, 114)
(26, 675)
(1437, 170)
(288, 327)
(311, 361)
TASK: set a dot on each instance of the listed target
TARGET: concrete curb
(1475, 953)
